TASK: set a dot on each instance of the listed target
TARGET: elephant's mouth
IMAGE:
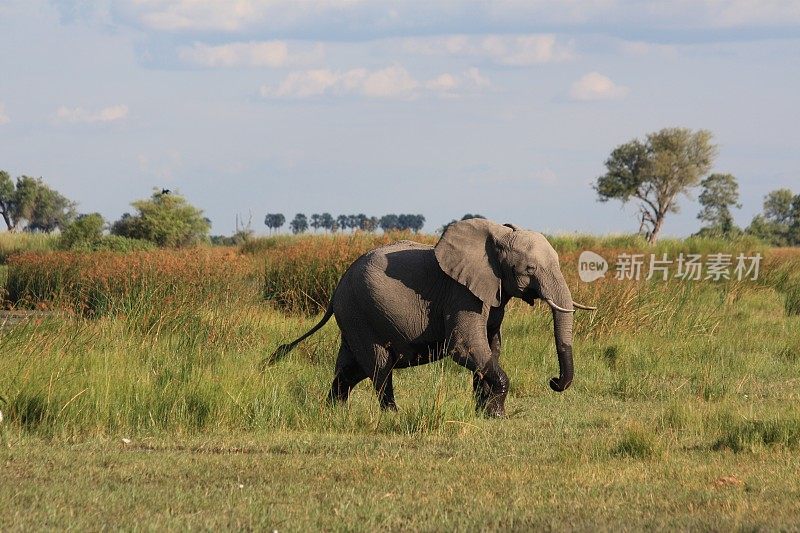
(530, 297)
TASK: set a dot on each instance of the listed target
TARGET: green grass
(12, 243)
(683, 415)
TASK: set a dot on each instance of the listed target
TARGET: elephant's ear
(467, 252)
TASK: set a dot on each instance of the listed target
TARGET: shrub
(115, 243)
(165, 219)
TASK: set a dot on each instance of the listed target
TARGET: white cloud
(250, 54)
(393, 82)
(79, 114)
(229, 15)
(173, 15)
(3, 116)
(595, 86)
(357, 19)
(517, 50)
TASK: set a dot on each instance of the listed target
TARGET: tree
(34, 203)
(84, 231)
(274, 221)
(370, 224)
(360, 221)
(299, 223)
(327, 222)
(316, 222)
(720, 193)
(165, 219)
(654, 172)
(7, 199)
(410, 222)
(343, 222)
(778, 206)
(389, 223)
(779, 224)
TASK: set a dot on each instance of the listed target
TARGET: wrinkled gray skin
(407, 304)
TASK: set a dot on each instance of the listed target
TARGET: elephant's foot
(389, 406)
(490, 400)
(493, 407)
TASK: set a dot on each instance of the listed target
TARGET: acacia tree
(655, 171)
(720, 193)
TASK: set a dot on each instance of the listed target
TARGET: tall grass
(16, 242)
(300, 274)
(173, 341)
(104, 283)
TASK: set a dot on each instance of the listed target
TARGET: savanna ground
(141, 401)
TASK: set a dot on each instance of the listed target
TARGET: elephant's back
(402, 261)
(393, 288)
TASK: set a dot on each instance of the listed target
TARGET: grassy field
(142, 404)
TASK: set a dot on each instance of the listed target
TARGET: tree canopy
(85, 230)
(779, 223)
(274, 221)
(166, 219)
(299, 223)
(720, 193)
(33, 205)
(655, 172)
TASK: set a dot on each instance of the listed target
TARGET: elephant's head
(496, 262)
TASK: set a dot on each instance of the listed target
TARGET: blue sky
(505, 108)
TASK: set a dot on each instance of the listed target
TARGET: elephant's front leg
(471, 350)
(484, 397)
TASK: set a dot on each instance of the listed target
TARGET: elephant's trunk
(562, 325)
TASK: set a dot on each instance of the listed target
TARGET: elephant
(406, 304)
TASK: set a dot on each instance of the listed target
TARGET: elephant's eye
(530, 269)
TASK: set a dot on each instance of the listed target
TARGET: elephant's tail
(284, 349)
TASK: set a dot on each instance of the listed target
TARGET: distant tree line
(325, 221)
(653, 172)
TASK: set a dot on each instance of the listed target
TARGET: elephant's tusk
(584, 307)
(555, 306)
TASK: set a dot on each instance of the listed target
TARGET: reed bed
(96, 284)
(300, 274)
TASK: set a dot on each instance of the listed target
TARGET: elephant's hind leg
(347, 375)
(385, 391)
(378, 362)
(382, 359)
